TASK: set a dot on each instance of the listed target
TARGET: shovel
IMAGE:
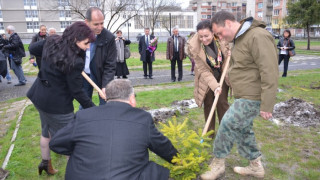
(216, 98)
(93, 85)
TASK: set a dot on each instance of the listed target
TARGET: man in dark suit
(175, 53)
(112, 141)
(145, 55)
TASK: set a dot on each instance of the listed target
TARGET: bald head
(95, 19)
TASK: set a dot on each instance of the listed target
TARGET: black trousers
(286, 63)
(147, 64)
(175, 60)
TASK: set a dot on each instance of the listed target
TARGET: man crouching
(112, 141)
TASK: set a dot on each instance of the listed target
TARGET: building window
(214, 8)
(189, 21)
(63, 3)
(94, 3)
(260, 14)
(1, 26)
(234, 4)
(260, 5)
(208, 16)
(64, 14)
(33, 25)
(31, 14)
(276, 3)
(0, 14)
(276, 12)
(65, 24)
(30, 2)
(204, 16)
(275, 21)
(204, 10)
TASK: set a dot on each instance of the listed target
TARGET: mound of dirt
(177, 108)
(161, 115)
(297, 112)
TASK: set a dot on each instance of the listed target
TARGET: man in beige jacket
(253, 75)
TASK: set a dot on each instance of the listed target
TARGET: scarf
(120, 50)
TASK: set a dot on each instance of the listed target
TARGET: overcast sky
(184, 3)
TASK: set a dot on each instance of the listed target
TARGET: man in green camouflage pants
(253, 76)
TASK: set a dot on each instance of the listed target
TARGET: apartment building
(206, 8)
(27, 15)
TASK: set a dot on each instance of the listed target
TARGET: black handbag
(17, 60)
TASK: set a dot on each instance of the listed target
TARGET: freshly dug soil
(296, 112)
(3, 174)
(177, 108)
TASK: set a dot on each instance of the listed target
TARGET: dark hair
(89, 12)
(192, 33)
(146, 28)
(288, 31)
(63, 50)
(204, 24)
(118, 31)
(220, 18)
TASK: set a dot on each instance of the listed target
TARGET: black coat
(3, 58)
(104, 59)
(15, 47)
(111, 142)
(54, 91)
(37, 38)
(286, 42)
(143, 47)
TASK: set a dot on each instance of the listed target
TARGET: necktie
(176, 44)
(147, 42)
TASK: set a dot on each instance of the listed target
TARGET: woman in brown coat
(209, 55)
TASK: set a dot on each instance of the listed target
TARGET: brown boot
(47, 167)
(217, 168)
(255, 169)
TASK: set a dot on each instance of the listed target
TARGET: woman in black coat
(285, 45)
(122, 68)
(59, 82)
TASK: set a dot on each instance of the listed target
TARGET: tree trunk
(308, 34)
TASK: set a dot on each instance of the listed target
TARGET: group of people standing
(111, 141)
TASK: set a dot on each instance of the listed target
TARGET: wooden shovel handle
(93, 85)
(216, 97)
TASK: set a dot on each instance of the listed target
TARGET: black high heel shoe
(47, 167)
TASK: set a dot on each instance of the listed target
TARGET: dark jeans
(88, 89)
(147, 64)
(175, 60)
(286, 63)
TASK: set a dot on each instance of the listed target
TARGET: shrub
(192, 152)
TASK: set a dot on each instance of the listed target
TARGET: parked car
(275, 35)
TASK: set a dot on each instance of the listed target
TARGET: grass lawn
(288, 152)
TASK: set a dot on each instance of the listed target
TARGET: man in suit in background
(145, 55)
(112, 141)
(175, 53)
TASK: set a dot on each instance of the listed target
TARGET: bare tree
(114, 10)
(152, 10)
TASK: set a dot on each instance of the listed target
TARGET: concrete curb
(14, 135)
